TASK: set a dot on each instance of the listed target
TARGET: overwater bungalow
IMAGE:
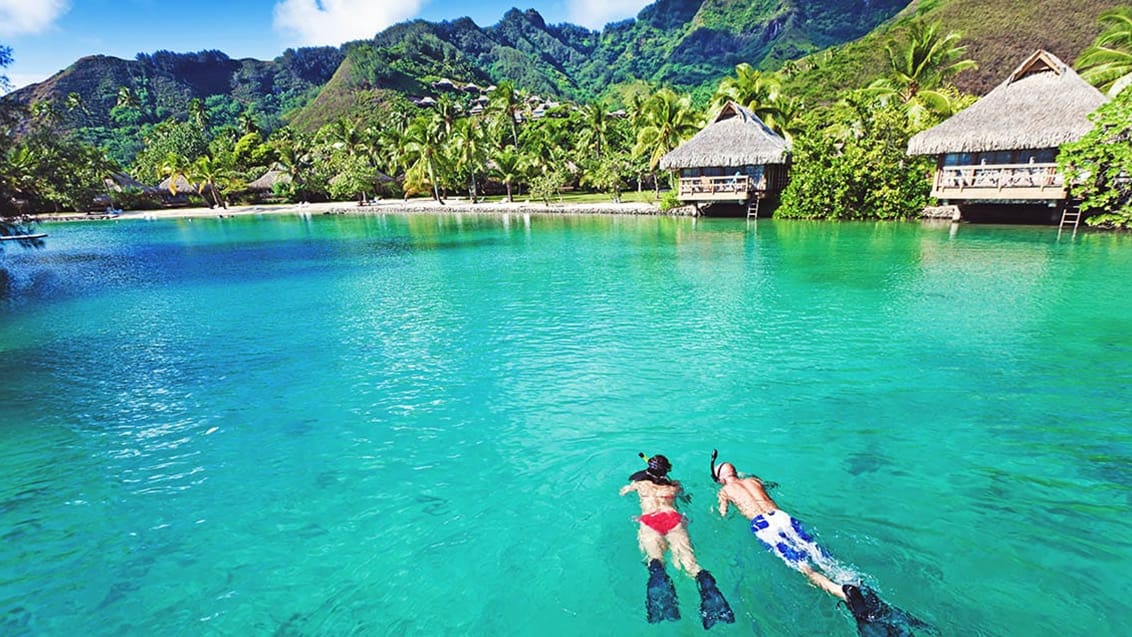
(1003, 148)
(736, 159)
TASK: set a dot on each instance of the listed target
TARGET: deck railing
(1007, 179)
(735, 186)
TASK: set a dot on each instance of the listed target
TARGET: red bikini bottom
(662, 521)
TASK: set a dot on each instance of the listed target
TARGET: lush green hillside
(688, 44)
(999, 34)
(684, 43)
(162, 84)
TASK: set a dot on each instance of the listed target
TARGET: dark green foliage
(1098, 165)
(863, 174)
(161, 85)
(183, 139)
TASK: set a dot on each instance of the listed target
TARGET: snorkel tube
(714, 473)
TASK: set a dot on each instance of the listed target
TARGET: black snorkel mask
(714, 473)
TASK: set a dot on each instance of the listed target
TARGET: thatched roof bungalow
(1004, 147)
(121, 182)
(180, 186)
(266, 182)
(736, 158)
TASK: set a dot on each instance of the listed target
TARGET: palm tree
(344, 134)
(173, 166)
(786, 120)
(757, 91)
(210, 173)
(198, 113)
(1107, 64)
(247, 122)
(507, 164)
(424, 155)
(127, 98)
(667, 119)
(296, 157)
(45, 113)
(469, 150)
(595, 134)
(505, 101)
(76, 106)
(448, 111)
(921, 65)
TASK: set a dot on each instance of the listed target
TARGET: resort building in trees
(1003, 148)
(736, 159)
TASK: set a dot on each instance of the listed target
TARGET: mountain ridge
(688, 44)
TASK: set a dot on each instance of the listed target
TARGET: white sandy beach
(420, 205)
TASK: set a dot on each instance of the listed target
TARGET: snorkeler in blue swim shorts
(775, 528)
(787, 538)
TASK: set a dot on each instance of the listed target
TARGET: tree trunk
(435, 187)
(509, 198)
(216, 196)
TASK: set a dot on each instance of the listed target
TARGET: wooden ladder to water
(753, 209)
(1069, 216)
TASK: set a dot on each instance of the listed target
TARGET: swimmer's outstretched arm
(723, 500)
(632, 486)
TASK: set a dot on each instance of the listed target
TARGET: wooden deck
(999, 182)
(733, 188)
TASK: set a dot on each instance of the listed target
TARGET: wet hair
(659, 465)
(657, 473)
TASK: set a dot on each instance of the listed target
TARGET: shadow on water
(16, 622)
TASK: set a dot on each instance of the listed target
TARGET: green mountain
(163, 83)
(691, 44)
(685, 43)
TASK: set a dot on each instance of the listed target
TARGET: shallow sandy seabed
(453, 205)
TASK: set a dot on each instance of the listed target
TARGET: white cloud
(21, 17)
(318, 22)
(597, 13)
(20, 80)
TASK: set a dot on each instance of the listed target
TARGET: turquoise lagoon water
(411, 425)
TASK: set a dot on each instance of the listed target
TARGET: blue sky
(48, 35)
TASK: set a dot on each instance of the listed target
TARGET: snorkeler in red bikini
(663, 528)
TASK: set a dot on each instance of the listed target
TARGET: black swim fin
(713, 607)
(660, 600)
(876, 618)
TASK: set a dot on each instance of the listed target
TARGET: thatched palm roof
(183, 186)
(119, 182)
(267, 180)
(735, 138)
(1043, 104)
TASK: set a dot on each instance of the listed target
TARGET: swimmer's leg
(652, 543)
(821, 581)
(682, 553)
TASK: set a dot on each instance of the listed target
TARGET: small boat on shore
(23, 237)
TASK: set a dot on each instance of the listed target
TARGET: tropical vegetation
(1099, 165)
(1107, 64)
(367, 132)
